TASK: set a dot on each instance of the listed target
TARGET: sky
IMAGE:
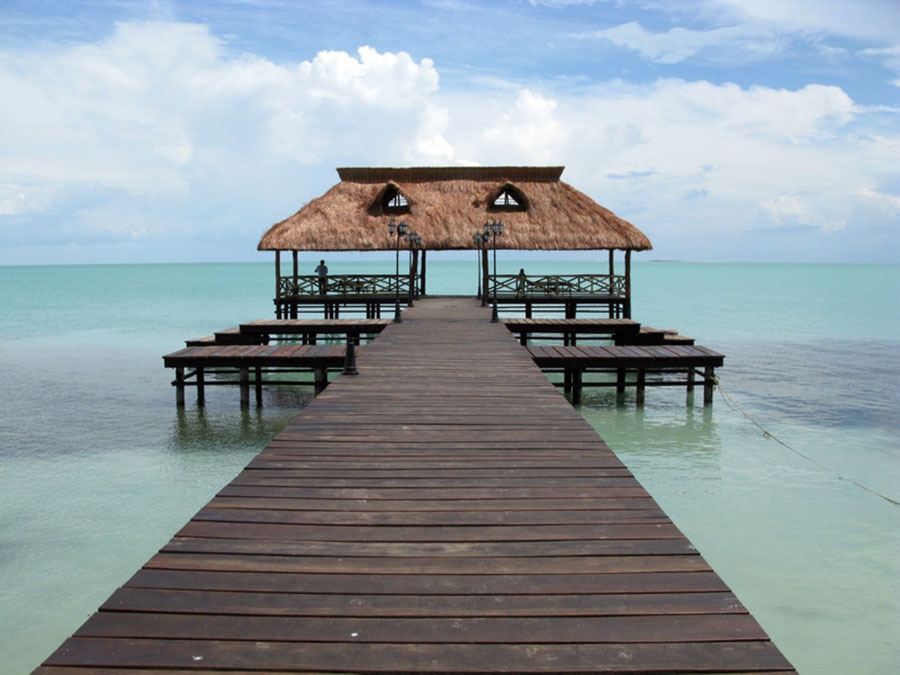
(176, 131)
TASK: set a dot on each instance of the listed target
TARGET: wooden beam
(709, 379)
(485, 277)
(627, 284)
(423, 272)
(201, 391)
(179, 387)
(245, 386)
(413, 268)
(277, 274)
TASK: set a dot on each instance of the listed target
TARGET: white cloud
(759, 29)
(678, 44)
(890, 56)
(526, 131)
(160, 109)
(867, 19)
(787, 209)
(157, 132)
(693, 159)
(889, 203)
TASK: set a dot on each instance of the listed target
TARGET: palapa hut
(445, 206)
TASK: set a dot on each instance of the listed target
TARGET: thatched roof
(447, 205)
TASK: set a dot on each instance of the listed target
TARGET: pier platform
(444, 511)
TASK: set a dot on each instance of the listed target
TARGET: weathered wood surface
(445, 511)
(260, 330)
(654, 336)
(626, 356)
(613, 327)
(298, 326)
(249, 356)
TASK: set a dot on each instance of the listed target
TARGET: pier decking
(445, 511)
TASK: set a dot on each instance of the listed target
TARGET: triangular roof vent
(393, 200)
(508, 198)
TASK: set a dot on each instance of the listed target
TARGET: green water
(98, 468)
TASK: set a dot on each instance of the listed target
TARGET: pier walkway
(444, 511)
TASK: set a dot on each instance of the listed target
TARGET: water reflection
(667, 427)
(223, 425)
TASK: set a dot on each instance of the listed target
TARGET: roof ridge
(413, 174)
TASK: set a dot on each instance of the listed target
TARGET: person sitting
(322, 272)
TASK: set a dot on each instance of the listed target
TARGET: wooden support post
(179, 387)
(571, 310)
(413, 268)
(201, 389)
(278, 284)
(641, 384)
(523, 338)
(620, 381)
(245, 386)
(527, 310)
(423, 273)
(576, 386)
(612, 273)
(259, 397)
(709, 379)
(627, 284)
(567, 381)
(320, 379)
(296, 266)
(690, 379)
(485, 277)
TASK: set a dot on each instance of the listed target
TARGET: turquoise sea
(98, 468)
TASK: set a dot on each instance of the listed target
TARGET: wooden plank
(423, 630)
(642, 530)
(478, 549)
(362, 605)
(432, 584)
(453, 657)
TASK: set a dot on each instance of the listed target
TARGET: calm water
(98, 468)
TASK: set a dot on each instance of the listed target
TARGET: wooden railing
(557, 285)
(347, 284)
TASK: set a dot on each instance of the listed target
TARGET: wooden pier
(445, 511)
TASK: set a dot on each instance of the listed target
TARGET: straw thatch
(446, 206)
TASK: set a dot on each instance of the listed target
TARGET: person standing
(322, 272)
(521, 282)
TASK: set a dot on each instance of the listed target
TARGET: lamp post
(415, 241)
(494, 229)
(400, 229)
